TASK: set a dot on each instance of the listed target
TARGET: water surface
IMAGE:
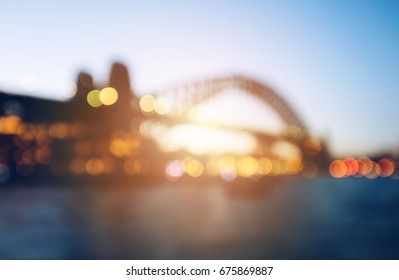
(321, 218)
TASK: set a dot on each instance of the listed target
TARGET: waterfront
(323, 218)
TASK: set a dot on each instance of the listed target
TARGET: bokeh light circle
(108, 96)
(93, 98)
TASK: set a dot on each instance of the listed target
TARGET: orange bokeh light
(312, 146)
(387, 167)
(375, 171)
(338, 169)
(365, 166)
(352, 166)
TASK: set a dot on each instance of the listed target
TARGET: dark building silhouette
(44, 137)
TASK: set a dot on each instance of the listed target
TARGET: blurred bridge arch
(186, 96)
(193, 94)
(294, 135)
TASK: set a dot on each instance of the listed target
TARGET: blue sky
(336, 62)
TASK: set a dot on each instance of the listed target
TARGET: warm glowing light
(94, 166)
(118, 147)
(59, 130)
(247, 166)
(147, 103)
(233, 107)
(277, 168)
(338, 169)
(212, 167)
(192, 167)
(265, 166)
(352, 166)
(205, 140)
(387, 167)
(312, 146)
(365, 166)
(133, 143)
(162, 106)
(108, 96)
(9, 125)
(227, 167)
(294, 165)
(284, 150)
(43, 137)
(93, 98)
(27, 132)
(375, 171)
(126, 146)
(226, 161)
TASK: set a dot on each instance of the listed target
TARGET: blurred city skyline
(336, 62)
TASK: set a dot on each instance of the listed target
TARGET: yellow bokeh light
(118, 147)
(162, 106)
(212, 167)
(94, 166)
(108, 96)
(185, 161)
(226, 160)
(93, 98)
(192, 167)
(147, 103)
(126, 146)
(265, 166)
(247, 166)
(277, 168)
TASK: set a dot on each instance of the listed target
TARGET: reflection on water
(309, 219)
